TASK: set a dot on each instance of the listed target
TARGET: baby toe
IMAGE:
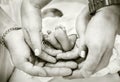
(49, 31)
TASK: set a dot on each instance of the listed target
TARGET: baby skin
(60, 40)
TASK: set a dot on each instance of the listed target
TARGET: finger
(39, 62)
(20, 54)
(73, 54)
(47, 57)
(51, 51)
(31, 69)
(82, 54)
(60, 64)
(91, 63)
(75, 75)
(58, 71)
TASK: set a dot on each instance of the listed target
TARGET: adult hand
(57, 69)
(81, 26)
(32, 23)
(21, 54)
(99, 39)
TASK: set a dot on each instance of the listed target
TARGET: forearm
(30, 15)
(6, 22)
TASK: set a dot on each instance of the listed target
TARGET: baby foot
(52, 40)
(62, 38)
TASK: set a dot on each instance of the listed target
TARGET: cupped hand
(22, 56)
(99, 40)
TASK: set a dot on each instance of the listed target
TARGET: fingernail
(37, 52)
(58, 56)
(82, 54)
(52, 60)
(59, 51)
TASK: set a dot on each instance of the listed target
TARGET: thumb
(82, 48)
(82, 53)
(34, 40)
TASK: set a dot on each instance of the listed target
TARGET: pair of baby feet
(60, 40)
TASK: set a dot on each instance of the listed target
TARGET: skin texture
(32, 24)
(27, 62)
(26, 39)
(114, 63)
(60, 40)
(99, 40)
(59, 64)
(29, 38)
(50, 38)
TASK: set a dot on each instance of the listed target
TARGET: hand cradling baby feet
(59, 40)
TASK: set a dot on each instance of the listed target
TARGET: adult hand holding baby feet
(19, 50)
(33, 38)
(28, 62)
(61, 41)
(21, 53)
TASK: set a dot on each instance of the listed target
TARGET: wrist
(8, 35)
(101, 4)
(113, 9)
